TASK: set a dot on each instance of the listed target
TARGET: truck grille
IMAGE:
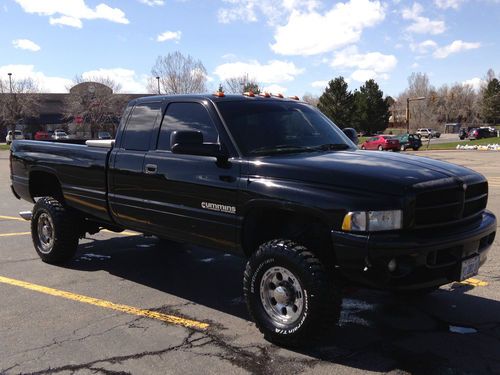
(450, 204)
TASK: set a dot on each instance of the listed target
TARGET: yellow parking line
(172, 319)
(474, 282)
(11, 218)
(14, 234)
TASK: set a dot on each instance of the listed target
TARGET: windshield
(272, 127)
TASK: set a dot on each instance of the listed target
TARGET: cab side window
(186, 116)
(140, 126)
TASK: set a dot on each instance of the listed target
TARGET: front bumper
(424, 259)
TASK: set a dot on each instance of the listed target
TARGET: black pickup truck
(271, 179)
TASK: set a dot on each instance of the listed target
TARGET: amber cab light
(249, 93)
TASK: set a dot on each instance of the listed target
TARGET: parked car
(59, 134)
(428, 133)
(103, 135)
(462, 134)
(18, 134)
(478, 133)
(381, 143)
(407, 141)
(41, 135)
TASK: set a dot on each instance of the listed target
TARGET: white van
(17, 135)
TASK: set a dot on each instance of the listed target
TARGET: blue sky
(290, 46)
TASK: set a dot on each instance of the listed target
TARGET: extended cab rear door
(127, 187)
(190, 197)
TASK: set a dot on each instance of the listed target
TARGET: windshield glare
(267, 127)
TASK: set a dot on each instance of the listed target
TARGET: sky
(288, 46)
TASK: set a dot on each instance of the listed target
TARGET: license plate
(470, 267)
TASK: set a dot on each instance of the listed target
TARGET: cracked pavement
(378, 332)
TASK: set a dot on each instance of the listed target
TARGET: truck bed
(80, 170)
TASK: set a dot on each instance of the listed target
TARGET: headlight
(372, 221)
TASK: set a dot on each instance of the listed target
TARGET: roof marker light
(279, 96)
(295, 97)
(265, 95)
(249, 93)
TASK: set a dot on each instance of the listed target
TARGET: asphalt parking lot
(125, 305)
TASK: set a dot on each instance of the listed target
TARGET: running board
(26, 215)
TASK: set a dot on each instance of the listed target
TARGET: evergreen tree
(336, 102)
(371, 110)
(491, 102)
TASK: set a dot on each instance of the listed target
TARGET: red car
(381, 142)
(41, 135)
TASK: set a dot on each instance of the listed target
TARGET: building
(54, 110)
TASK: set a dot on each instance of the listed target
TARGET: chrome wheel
(281, 295)
(45, 230)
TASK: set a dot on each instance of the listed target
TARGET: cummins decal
(218, 207)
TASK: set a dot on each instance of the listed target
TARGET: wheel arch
(264, 221)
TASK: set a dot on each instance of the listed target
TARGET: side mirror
(190, 142)
(351, 134)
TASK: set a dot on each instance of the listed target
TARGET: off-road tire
(321, 301)
(62, 231)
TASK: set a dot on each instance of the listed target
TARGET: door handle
(151, 168)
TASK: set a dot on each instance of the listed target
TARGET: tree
(94, 103)
(490, 106)
(371, 110)
(311, 99)
(336, 102)
(178, 74)
(241, 84)
(22, 103)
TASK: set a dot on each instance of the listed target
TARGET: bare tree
(311, 99)
(23, 102)
(93, 104)
(178, 74)
(241, 84)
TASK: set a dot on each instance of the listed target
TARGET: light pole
(408, 100)
(158, 81)
(10, 82)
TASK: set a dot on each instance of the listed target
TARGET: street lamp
(158, 81)
(408, 100)
(10, 81)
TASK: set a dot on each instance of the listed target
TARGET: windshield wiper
(279, 149)
(331, 147)
(282, 149)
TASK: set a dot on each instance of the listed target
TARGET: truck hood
(374, 171)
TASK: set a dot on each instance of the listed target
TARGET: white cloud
(66, 21)
(475, 82)
(274, 71)
(26, 44)
(415, 65)
(363, 75)
(275, 89)
(274, 11)
(372, 61)
(311, 32)
(169, 35)
(455, 47)
(153, 3)
(422, 25)
(319, 84)
(71, 12)
(445, 4)
(129, 81)
(424, 47)
(45, 83)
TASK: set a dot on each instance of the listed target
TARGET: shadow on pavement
(377, 331)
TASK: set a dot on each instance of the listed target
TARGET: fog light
(392, 265)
